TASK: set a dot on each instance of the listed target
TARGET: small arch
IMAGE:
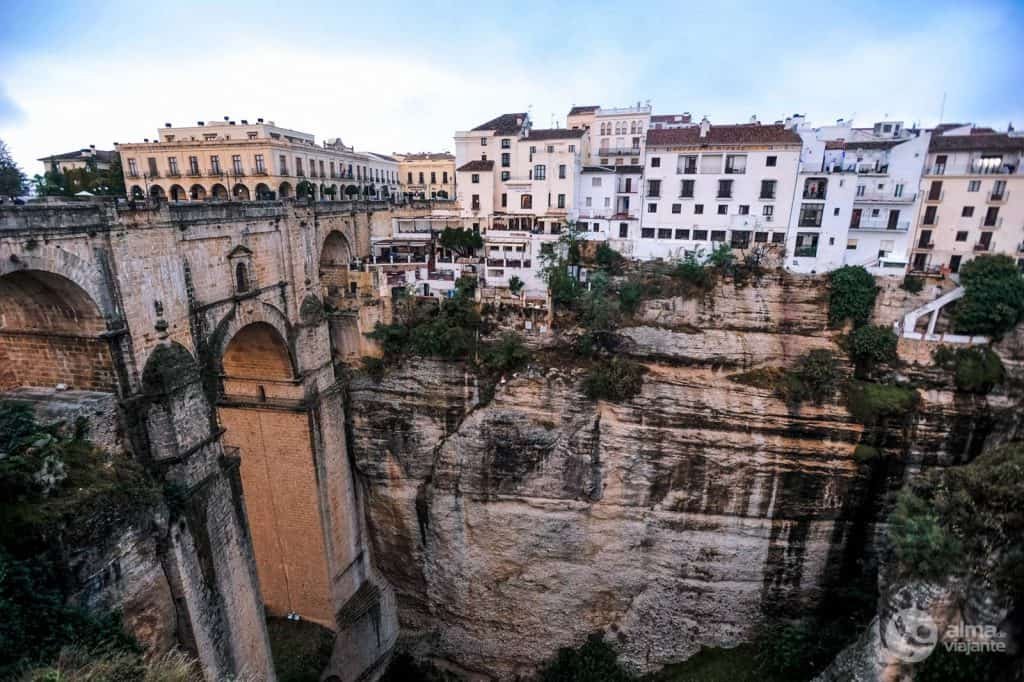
(285, 190)
(332, 191)
(178, 193)
(137, 193)
(157, 192)
(263, 192)
(335, 256)
(219, 192)
(257, 351)
(197, 193)
(240, 192)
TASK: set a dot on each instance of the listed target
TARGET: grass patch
(301, 649)
(761, 377)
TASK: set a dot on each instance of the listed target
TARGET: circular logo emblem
(910, 635)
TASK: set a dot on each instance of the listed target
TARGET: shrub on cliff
(975, 369)
(852, 293)
(912, 284)
(966, 520)
(609, 260)
(993, 301)
(423, 328)
(595, 661)
(692, 275)
(814, 378)
(870, 403)
(870, 346)
(614, 380)
(507, 354)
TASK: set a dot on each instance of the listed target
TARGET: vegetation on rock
(77, 664)
(595, 661)
(870, 346)
(609, 260)
(301, 649)
(852, 293)
(870, 402)
(814, 378)
(448, 330)
(463, 242)
(614, 380)
(976, 369)
(993, 301)
(912, 284)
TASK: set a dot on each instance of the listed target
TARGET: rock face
(678, 519)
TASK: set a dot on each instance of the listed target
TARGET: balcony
(215, 172)
(885, 197)
(925, 245)
(238, 171)
(284, 173)
(806, 251)
(814, 195)
(992, 224)
(881, 224)
(935, 196)
(724, 195)
(173, 174)
(686, 170)
(195, 173)
(937, 170)
(619, 151)
(153, 173)
(981, 246)
(731, 170)
(766, 197)
(258, 171)
(998, 197)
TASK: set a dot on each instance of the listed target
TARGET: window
(974, 185)
(322, 170)
(647, 232)
(698, 209)
(851, 244)
(433, 177)
(261, 167)
(810, 215)
(718, 235)
(723, 209)
(677, 208)
(241, 279)
(711, 163)
(935, 191)
(992, 216)
(282, 161)
(898, 191)
(595, 182)
(193, 165)
(682, 234)
(572, 148)
(736, 164)
(561, 171)
(771, 160)
(526, 201)
(664, 233)
(444, 178)
(929, 215)
(483, 141)
(778, 237)
(654, 188)
(725, 189)
(561, 201)
(961, 236)
(474, 178)
(215, 165)
(700, 235)
(475, 202)
(505, 175)
(153, 172)
(687, 165)
(768, 212)
(954, 263)
(652, 208)
(506, 143)
(967, 212)
(172, 165)
(623, 230)
(655, 162)
(133, 168)
(767, 189)
(760, 237)
(540, 172)
(506, 160)
(815, 188)
(744, 209)
(686, 189)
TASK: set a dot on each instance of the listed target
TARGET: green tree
(51, 184)
(609, 260)
(993, 301)
(561, 263)
(351, 191)
(305, 189)
(871, 345)
(461, 241)
(515, 285)
(595, 661)
(13, 182)
(852, 293)
(814, 378)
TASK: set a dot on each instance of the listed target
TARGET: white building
(609, 205)
(617, 136)
(518, 186)
(856, 197)
(711, 184)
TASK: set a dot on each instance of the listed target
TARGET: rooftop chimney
(686, 117)
(259, 120)
(753, 119)
(245, 122)
(705, 126)
(167, 125)
(202, 123)
(227, 118)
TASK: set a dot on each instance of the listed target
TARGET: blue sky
(403, 76)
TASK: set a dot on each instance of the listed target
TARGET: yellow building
(427, 175)
(972, 199)
(240, 161)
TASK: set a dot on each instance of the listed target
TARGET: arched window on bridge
(240, 260)
(241, 278)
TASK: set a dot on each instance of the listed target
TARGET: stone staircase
(908, 325)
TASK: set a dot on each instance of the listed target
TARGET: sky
(399, 77)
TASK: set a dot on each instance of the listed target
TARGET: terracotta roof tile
(723, 135)
(985, 142)
(506, 124)
(426, 156)
(477, 165)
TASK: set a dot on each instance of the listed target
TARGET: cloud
(10, 112)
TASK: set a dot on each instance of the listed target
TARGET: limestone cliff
(678, 519)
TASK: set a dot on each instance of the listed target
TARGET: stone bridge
(207, 324)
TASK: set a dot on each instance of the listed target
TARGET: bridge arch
(52, 332)
(335, 257)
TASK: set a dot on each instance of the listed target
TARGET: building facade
(856, 197)
(427, 175)
(242, 161)
(708, 185)
(617, 135)
(972, 199)
(90, 158)
(518, 186)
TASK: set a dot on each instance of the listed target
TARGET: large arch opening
(241, 192)
(266, 422)
(285, 190)
(51, 332)
(178, 193)
(263, 192)
(219, 192)
(157, 192)
(334, 263)
(197, 193)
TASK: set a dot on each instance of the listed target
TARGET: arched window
(241, 278)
